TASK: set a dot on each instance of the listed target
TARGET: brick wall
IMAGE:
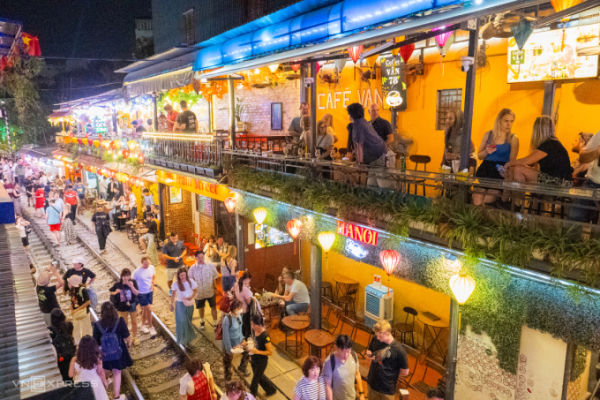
(178, 217)
(257, 103)
(207, 225)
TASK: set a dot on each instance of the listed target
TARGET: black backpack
(64, 345)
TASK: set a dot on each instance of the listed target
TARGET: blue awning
(332, 20)
(9, 30)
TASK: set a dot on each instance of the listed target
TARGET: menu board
(393, 84)
(552, 55)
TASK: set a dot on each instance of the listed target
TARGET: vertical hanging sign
(393, 84)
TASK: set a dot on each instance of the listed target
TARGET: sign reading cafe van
(358, 233)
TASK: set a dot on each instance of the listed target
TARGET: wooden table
(297, 323)
(433, 326)
(269, 310)
(317, 340)
(343, 284)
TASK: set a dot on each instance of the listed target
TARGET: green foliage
(578, 363)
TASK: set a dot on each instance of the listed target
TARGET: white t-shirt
(189, 289)
(143, 277)
(132, 200)
(593, 173)
(298, 288)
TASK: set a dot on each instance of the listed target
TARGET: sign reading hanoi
(359, 233)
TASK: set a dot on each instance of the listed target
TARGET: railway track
(158, 360)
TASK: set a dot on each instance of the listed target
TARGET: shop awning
(9, 30)
(144, 173)
(114, 94)
(322, 31)
(161, 74)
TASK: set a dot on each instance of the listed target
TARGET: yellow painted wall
(577, 101)
(405, 293)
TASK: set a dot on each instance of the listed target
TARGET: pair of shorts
(25, 241)
(212, 302)
(55, 227)
(171, 274)
(132, 308)
(145, 299)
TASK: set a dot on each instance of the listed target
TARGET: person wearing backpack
(341, 372)
(80, 302)
(87, 367)
(124, 296)
(61, 333)
(112, 335)
(233, 340)
(250, 306)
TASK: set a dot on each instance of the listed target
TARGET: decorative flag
(406, 51)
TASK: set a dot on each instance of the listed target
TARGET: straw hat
(43, 278)
(75, 280)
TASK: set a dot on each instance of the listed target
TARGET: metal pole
(239, 239)
(161, 209)
(155, 111)
(465, 153)
(313, 109)
(231, 112)
(303, 88)
(315, 286)
(549, 90)
(452, 349)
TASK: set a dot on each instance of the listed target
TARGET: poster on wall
(175, 195)
(553, 55)
(393, 83)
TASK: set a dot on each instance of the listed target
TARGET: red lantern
(389, 260)
(79, 141)
(406, 51)
(141, 158)
(230, 203)
(293, 227)
(295, 67)
(354, 52)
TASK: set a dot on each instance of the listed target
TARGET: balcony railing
(187, 149)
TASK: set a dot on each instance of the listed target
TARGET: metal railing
(204, 150)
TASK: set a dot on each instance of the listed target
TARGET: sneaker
(202, 325)
(152, 331)
(145, 329)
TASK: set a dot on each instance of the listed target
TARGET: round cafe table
(298, 324)
(318, 340)
(343, 284)
(433, 326)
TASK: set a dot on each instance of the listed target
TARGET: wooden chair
(421, 386)
(404, 381)
(336, 312)
(418, 159)
(402, 329)
(360, 348)
(327, 290)
(348, 301)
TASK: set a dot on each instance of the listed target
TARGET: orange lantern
(293, 227)
(354, 52)
(230, 203)
(141, 158)
(560, 5)
(295, 67)
(389, 260)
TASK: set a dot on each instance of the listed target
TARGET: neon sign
(359, 233)
(355, 249)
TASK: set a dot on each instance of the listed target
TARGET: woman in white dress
(86, 366)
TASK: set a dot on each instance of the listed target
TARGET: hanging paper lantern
(273, 68)
(131, 144)
(389, 260)
(230, 203)
(372, 60)
(354, 52)
(141, 158)
(444, 40)
(295, 67)
(406, 51)
(117, 144)
(260, 214)
(318, 65)
(560, 5)
(84, 141)
(126, 153)
(326, 240)
(79, 141)
(293, 226)
(339, 65)
(462, 286)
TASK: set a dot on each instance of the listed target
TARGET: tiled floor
(283, 370)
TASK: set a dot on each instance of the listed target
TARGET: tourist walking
(229, 268)
(46, 293)
(112, 335)
(249, 304)
(40, 200)
(87, 278)
(54, 219)
(173, 251)
(260, 353)
(236, 390)
(145, 276)
(68, 231)
(233, 340)
(71, 201)
(80, 302)
(24, 228)
(184, 291)
(198, 382)
(61, 333)
(388, 361)
(341, 372)
(205, 275)
(87, 367)
(124, 296)
(312, 385)
(102, 227)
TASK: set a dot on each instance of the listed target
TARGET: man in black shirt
(47, 293)
(186, 120)
(261, 351)
(381, 126)
(388, 361)
(174, 251)
(87, 278)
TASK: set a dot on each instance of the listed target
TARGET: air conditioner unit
(379, 303)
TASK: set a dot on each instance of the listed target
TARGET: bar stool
(327, 290)
(348, 301)
(402, 329)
